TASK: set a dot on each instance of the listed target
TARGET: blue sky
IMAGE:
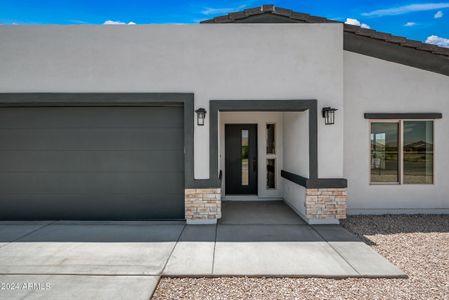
(414, 19)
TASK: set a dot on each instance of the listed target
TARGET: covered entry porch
(267, 150)
(259, 212)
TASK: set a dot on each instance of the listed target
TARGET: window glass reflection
(384, 152)
(271, 167)
(418, 152)
(271, 141)
(244, 157)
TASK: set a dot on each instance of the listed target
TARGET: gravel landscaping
(419, 245)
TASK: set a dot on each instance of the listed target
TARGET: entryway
(258, 213)
(251, 155)
(241, 159)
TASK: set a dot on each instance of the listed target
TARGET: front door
(241, 159)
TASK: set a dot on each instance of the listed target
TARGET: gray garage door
(91, 163)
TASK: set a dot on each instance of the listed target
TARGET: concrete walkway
(269, 239)
(91, 260)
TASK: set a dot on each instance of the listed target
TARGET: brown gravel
(419, 245)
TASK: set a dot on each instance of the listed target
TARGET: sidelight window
(271, 156)
(271, 141)
(245, 157)
(271, 173)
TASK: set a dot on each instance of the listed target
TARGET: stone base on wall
(202, 206)
(325, 205)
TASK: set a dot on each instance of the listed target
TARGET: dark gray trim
(260, 105)
(313, 141)
(298, 179)
(403, 115)
(265, 105)
(396, 53)
(117, 99)
(321, 183)
(93, 99)
(327, 183)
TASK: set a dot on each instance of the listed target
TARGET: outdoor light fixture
(200, 116)
(329, 115)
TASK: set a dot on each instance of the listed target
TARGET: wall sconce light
(200, 116)
(329, 115)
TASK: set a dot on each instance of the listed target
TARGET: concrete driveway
(88, 260)
(83, 260)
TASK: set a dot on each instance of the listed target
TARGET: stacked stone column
(326, 203)
(203, 204)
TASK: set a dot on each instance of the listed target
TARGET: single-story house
(165, 122)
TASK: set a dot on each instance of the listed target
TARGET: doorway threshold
(249, 198)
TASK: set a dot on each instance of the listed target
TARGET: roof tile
(268, 8)
(221, 19)
(237, 15)
(306, 18)
(283, 12)
(253, 11)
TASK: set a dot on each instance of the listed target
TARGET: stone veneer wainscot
(326, 203)
(202, 206)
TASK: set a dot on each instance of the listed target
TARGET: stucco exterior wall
(374, 85)
(296, 152)
(241, 61)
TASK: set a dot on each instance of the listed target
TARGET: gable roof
(356, 39)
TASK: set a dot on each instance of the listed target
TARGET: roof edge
(356, 39)
(395, 53)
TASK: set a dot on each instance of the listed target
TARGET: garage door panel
(98, 183)
(92, 117)
(93, 139)
(88, 207)
(91, 161)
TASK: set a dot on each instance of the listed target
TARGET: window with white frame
(401, 152)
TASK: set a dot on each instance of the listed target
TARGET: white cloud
(356, 23)
(400, 10)
(439, 41)
(352, 22)
(409, 24)
(111, 22)
(221, 11)
(439, 14)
